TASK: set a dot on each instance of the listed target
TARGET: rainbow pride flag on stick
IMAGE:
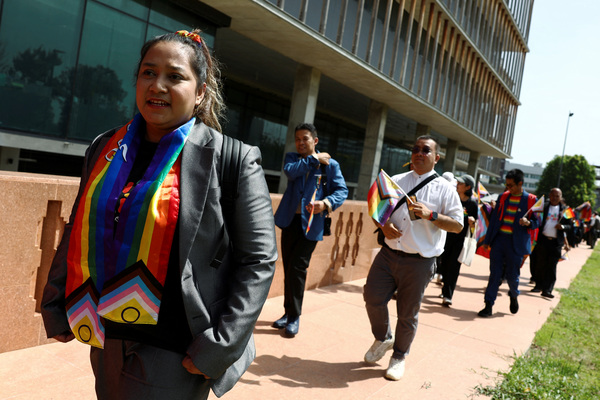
(312, 211)
(538, 206)
(569, 213)
(481, 191)
(383, 197)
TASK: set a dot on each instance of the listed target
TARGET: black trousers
(450, 270)
(296, 251)
(547, 254)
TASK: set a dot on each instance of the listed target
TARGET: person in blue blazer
(309, 173)
(509, 238)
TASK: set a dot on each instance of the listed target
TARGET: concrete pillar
(303, 108)
(9, 158)
(473, 167)
(371, 155)
(451, 153)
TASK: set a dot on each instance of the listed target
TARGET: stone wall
(34, 209)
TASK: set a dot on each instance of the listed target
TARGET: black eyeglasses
(425, 150)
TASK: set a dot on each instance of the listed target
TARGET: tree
(577, 180)
(37, 65)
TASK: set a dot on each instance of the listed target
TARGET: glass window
(393, 159)
(344, 142)
(34, 62)
(259, 119)
(104, 94)
(137, 8)
(173, 18)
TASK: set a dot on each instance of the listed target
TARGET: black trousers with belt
(296, 251)
(547, 254)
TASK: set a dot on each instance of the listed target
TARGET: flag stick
(407, 198)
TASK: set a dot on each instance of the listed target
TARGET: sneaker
(446, 302)
(281, 322)
(378, 350)
(395, 370)
(514, 305)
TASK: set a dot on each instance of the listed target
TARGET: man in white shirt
(551, 240)
(414, 236)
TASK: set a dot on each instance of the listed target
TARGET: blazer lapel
(196, 168)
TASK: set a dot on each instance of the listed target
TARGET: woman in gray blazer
(152, 272)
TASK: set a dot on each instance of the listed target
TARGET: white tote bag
(468, 250)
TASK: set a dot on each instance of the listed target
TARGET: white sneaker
(395, 370)
(378, 350)
(446, 302)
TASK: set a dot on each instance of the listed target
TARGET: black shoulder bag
(380, 235)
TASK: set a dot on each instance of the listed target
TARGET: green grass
(564, 359)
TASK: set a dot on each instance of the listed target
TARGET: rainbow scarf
(118, 270)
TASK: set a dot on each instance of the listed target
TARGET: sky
(562, 75)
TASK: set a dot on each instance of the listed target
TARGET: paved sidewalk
(453, 352)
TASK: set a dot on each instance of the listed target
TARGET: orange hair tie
(194, 36)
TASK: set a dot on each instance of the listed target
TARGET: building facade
(371, 74)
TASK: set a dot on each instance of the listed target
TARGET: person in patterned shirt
(509, 240)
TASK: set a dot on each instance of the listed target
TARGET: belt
(403, 253)
(548, 237)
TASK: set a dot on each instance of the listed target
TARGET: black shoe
(487, 311)
(291, 329)
(536, 290)
(281, 322)
(514, 305)
(548, 295)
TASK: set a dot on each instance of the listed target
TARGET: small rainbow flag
(584, 211)
(383, 196)
(569, 213)
(538, 206)
(312, 211)
(482, 191)
(312, 202)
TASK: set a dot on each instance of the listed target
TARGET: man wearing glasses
(509, 238)
(414, 237)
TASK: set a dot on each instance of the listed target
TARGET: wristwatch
(433, 216)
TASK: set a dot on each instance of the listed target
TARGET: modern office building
(371, 74)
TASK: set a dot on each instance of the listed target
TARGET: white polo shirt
(422, 236)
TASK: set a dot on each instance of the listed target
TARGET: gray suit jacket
(222, 303)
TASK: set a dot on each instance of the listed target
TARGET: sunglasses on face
(425, 150)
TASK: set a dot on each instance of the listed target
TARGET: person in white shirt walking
(411, 240)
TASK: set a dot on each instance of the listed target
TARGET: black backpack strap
(231, 164)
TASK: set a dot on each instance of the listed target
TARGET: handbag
(327, 220)
(468, 250)
(327, 226)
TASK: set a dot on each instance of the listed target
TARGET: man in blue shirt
(308, 172)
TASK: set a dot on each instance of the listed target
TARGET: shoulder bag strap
(415, 190)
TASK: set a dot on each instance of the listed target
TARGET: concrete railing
(35, 208)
